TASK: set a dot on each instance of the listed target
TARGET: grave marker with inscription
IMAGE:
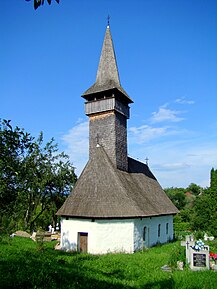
(199, 260)
(197, 254)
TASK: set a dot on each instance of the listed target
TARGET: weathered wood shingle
(102, 191)
(107, 77)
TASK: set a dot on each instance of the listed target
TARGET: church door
(82, 242)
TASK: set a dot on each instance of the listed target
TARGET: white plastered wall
(104, 236)
(152, 238)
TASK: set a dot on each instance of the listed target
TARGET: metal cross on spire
(108, 19)
(146, 160)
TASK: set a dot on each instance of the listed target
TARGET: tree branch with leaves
(38, 3)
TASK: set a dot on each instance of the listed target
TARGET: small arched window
(144, 233)
(167, 228)
(159, 230)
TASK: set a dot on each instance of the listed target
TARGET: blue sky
(167, 58)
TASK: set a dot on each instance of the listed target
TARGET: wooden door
(82, 242)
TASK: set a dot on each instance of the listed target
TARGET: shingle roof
(102, 191)
(107, 74)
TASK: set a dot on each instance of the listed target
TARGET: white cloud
(183, 100)
(80, 120)
(172, 166)
(145, 133)
(76, 141)
(177, 163)
(166, 114)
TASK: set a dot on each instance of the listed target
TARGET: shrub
(177, 254)
(198, 235)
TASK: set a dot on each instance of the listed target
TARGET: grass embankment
(24, 265)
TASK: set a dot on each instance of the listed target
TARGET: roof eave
(90, 92)
(115, 217)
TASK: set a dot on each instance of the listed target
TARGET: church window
(167, 228)
(144, 233)
(159, 230)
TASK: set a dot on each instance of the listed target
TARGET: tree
(194, 189)
(34, 179)
(13, 144)
(177, 196)
(204, 216)
(183, 202)
(38, 3)
(213, 179)
(198, 206)
(205, 208)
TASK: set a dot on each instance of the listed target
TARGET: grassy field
(24, 264)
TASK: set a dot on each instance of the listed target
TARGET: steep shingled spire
(107, 74)
(107, 69)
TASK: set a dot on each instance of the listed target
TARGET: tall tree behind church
(213, 179)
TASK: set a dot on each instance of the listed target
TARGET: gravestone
(199, 260)
(196, 256)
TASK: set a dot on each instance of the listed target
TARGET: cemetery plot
(197, 254)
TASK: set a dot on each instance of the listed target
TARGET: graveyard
(28, 264)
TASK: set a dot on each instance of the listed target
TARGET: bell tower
(107, 106)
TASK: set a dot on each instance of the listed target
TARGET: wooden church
(117, 205)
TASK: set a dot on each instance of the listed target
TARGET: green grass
(24, 265)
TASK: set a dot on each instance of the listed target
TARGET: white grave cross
(188, 243)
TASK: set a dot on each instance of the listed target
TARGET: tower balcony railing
(107, 104)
